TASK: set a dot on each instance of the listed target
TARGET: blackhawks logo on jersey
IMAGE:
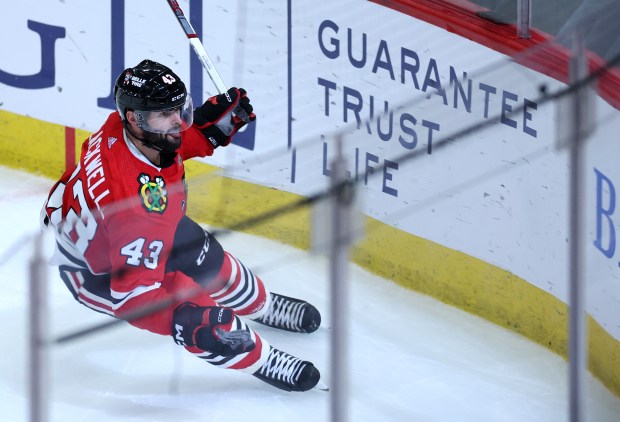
(153, 193)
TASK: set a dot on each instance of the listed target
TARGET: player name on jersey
(94, 170)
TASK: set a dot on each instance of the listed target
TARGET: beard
(163, 142)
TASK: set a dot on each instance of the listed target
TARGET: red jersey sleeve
(195, 144)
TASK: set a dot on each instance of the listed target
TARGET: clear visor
(169, 120)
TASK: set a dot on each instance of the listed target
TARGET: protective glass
(169, 120)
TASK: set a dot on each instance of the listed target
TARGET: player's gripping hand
(208, 328)
(221, 116)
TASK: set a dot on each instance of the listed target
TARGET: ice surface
(411, 357)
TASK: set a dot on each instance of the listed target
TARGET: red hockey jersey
(116, 213)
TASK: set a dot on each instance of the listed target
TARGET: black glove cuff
(215, 136)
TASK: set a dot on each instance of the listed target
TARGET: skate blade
(321, 386)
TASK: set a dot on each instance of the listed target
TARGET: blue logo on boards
(46, 77)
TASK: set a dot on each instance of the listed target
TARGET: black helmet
(152, 87)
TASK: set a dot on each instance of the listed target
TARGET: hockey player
(123, 240)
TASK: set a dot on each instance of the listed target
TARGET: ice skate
(290, 314)
(287, 372)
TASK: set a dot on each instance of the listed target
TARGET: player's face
(164, 129)
(160, 128)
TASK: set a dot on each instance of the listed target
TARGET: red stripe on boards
(69, 147)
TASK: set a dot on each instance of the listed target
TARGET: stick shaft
(199, 49)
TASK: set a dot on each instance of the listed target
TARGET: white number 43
(135, 256)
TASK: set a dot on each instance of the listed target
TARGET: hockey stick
(200, 51)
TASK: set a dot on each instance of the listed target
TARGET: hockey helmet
(154, 93)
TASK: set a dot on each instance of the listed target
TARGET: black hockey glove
(221, 116)
(208, 328)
